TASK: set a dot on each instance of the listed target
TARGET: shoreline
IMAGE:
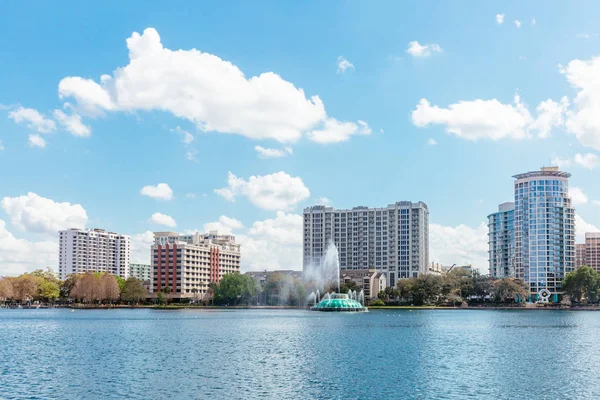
(245, 307)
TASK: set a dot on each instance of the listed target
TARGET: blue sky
(187, 119)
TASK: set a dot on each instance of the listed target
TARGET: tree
(349, 285)
(508, 290)
(582, 285)
(133, 291)
(67, 286)
(49, 291)
(110, 288)
(235, 286)
(26, 287)
(160, 297)
(121, 282)
(167, 291)
(6, 289)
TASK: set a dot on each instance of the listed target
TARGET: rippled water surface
(291, 354)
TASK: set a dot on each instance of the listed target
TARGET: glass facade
(544, 222)
(501, 240)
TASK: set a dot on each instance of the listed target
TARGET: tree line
(89, 288)
(454, 288)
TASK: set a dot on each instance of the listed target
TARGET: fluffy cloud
(577, 195)
(162, 191)
(588, 161)
(33, 213)
(417, 50)
(33, 119)
(140, 247)
(72, 123)
(36, 140)
(583, 120)
(200, 87)
(431, 142)
(324, 201)
(277, 191)
(581, 227)
(186, 137)
(500, 18)
(19, 255)
(459, 245)
(284, 229)
(343, 65)
(162, 219)
(334, 131)
(273, 153)
(190, 195)
(224, 225)
(490, 119)
(517, 23)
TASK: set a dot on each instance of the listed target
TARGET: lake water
(293, 354)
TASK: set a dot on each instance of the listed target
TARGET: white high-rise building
(394, 239)
(93, 250)
(544, 230)
(501, 240)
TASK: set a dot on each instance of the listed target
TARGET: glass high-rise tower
(544, 222)
(501, 240)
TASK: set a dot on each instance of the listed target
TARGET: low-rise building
(580, 258)
(143, 272)
(370, 281)
(261, 277)
(189, 263)
(435, 269)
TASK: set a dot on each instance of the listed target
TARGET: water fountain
(329, 270)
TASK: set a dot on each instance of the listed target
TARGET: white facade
(394, 239)
(143, 272)
(501, 241)
(93, 250)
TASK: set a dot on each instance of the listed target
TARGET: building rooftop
(544, 171)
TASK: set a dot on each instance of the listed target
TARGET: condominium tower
(189, 263)
(501, 240)
(393, 239)
(588, 253)
(93, 250)
(544, 230)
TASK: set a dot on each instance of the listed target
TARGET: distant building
(435, 269)
(261, 277)
(448, 268)
(544, 230)
(580, 258)
(588, 253)
(369, 280)
(501, 240)
(143, 272)
(93, 250)
(189, 263)
(393, 239)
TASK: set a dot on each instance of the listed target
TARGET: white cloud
(33, 213)
(277, 191)
(343, 65)
(224, 225)
(583, 120)
(72, 123)
(162, 191)
(417, 50)
(36, 140)
(500, 18)
(490, 119)
(140, 247)
(589, 160)
(324, 201)
(334, 131)
(162, 219)
(273, 153)
(581, 228)
(200, 87)
(190, 155)
(517, 23)
(586, 36)
(561, 162)
(533, 21)
(33, 119)
(460, 245)
(190, 195)
(19, 255)
(577, 195)
(186, 137)
(431, 142)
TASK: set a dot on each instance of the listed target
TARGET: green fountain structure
(337, 302)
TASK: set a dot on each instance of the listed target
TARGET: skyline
(113, 128)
